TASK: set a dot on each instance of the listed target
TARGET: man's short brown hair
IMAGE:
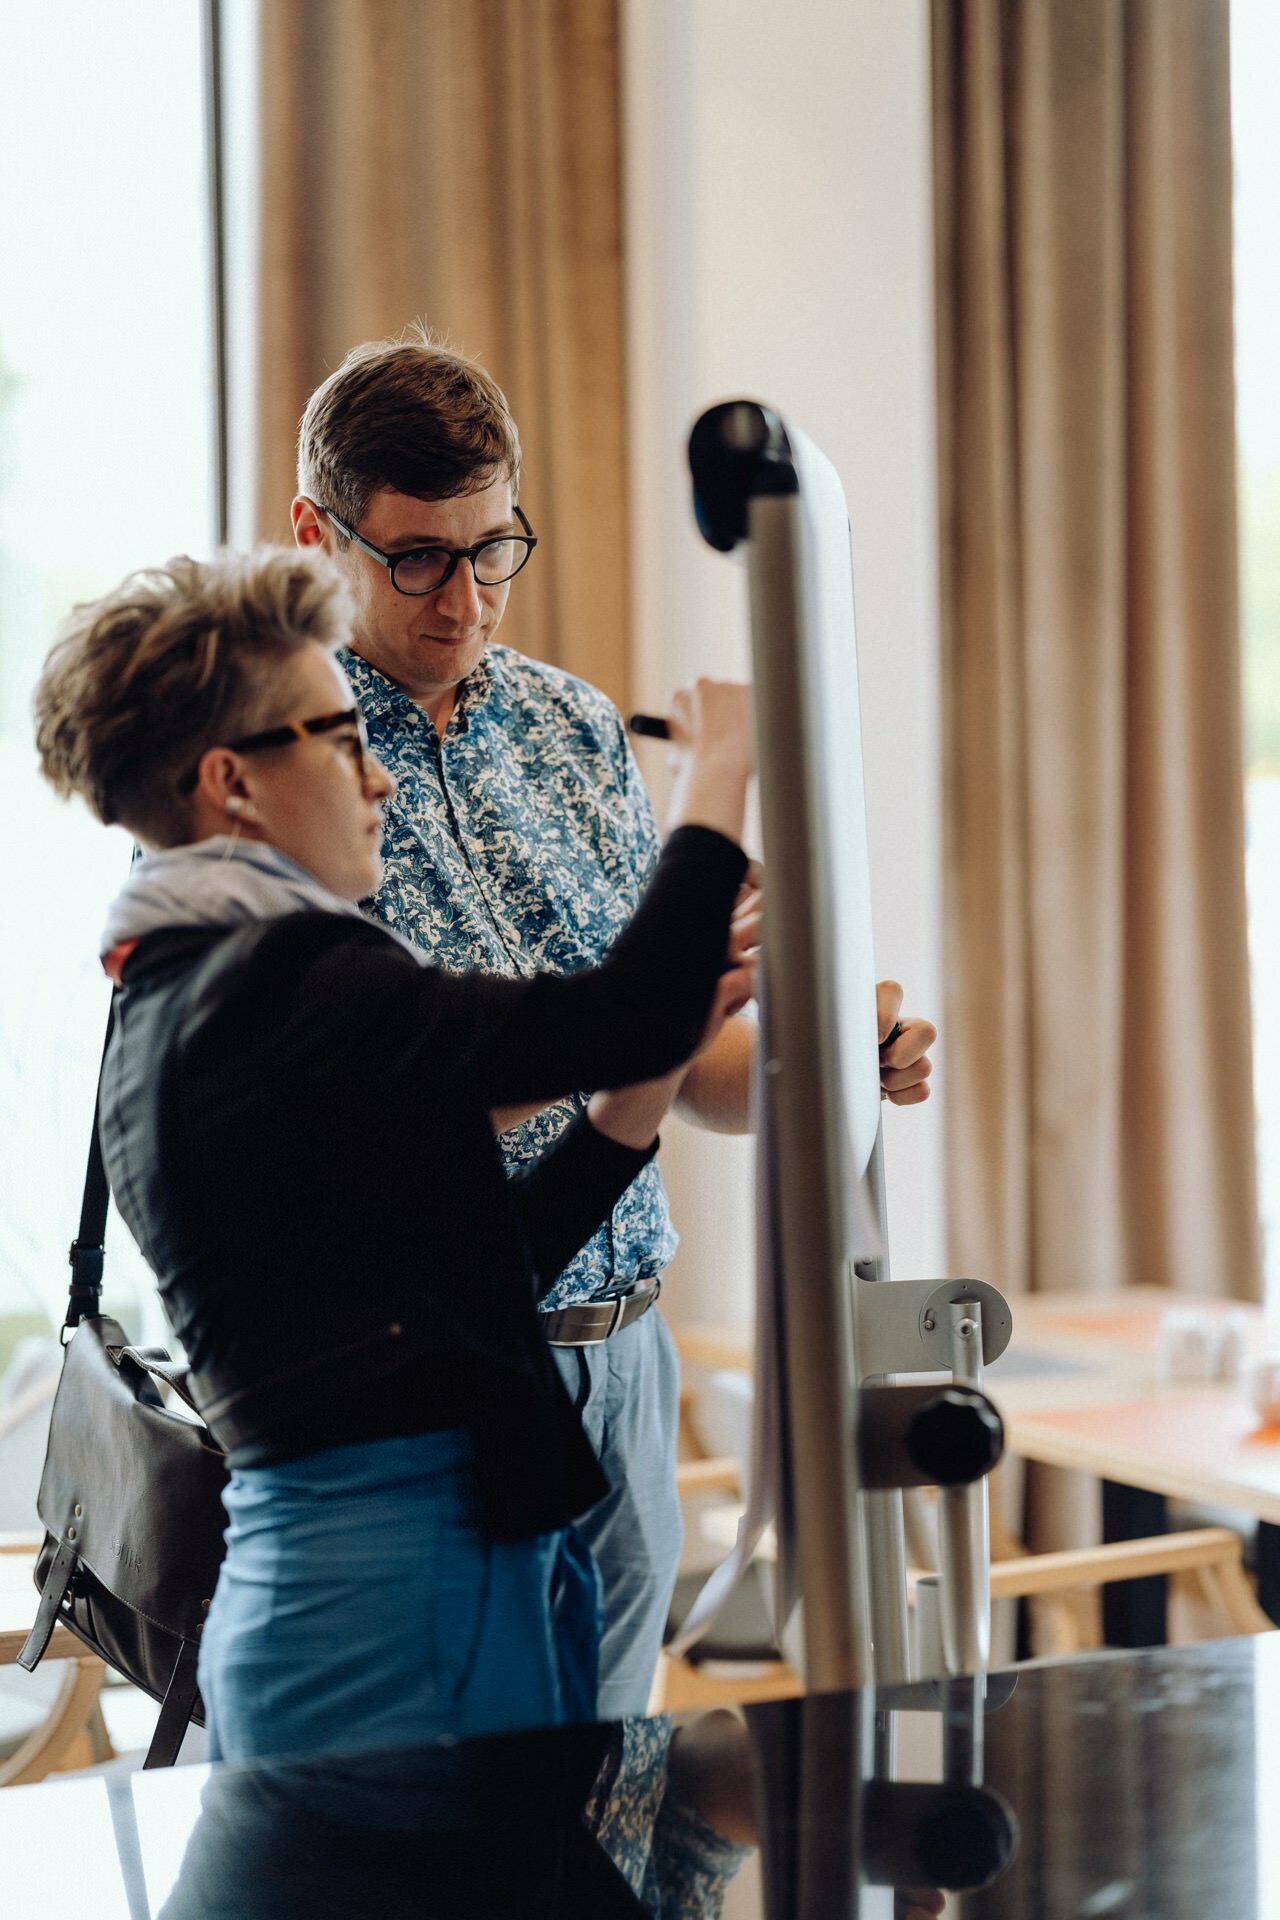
(177, 659)
(408, 414)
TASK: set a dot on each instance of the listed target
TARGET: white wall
(779, 246)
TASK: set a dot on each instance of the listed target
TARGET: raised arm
(565, 1194)
(637, 1015)
(715, 1092)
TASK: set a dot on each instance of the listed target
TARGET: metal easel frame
(845, 1326)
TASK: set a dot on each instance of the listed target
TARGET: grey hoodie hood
(215, 883)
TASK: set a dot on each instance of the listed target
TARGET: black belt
(598, 1320)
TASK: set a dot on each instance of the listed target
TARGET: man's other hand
(905, 1066)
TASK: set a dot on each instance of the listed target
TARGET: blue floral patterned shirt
(520, 843)
(678, 1866)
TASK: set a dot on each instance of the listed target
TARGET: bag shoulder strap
(88, 1249)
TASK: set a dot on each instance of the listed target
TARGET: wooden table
(1079, 1388)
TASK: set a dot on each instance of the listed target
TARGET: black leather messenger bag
(130, 1498)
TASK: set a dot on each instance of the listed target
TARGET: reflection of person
(642, 1820)
(469, 1830)
(673, 1808)
(518, 841)
(413, 1832)
(296, 1123)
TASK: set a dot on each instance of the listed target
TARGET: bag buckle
(86, 1263)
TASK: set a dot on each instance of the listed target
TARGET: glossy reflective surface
(1145, 1786)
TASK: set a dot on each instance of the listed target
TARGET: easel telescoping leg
(908, 1327)
(964, 1530)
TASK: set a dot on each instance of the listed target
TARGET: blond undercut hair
(175, 660)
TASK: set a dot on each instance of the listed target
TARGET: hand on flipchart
(905, 1065)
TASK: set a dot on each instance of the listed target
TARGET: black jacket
(295, 1122)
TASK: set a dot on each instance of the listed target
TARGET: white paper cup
(1186, 1344)
(1231, 1350)
(1263, 1378)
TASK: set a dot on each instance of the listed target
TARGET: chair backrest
(724, 1418)
(26, 1401)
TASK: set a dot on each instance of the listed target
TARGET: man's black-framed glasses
(293, 730)
(425, 569)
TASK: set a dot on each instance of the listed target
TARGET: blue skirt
(360, 1607)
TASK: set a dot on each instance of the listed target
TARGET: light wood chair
(72, 1731)
(24, 1433)
(1210, 1593)
(1205, 1566)
(721, 1674)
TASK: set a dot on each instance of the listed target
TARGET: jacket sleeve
(565, 1194)
(498, 1041)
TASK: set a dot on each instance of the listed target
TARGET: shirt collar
(381, 699)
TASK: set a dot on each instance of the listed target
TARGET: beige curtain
(1101, 1124)
(458, 161)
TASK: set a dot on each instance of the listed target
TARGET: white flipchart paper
(834, 726)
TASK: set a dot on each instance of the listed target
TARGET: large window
(1255, 27)
(106, 436)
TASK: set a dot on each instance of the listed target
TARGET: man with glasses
(519, 839)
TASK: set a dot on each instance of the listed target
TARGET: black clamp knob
(926, 1436)
(968, 1840)
(957, 1437)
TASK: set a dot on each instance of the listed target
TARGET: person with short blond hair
(297, 1123)
(519, 840)
(174, 660)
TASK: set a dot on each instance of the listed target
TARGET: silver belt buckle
(650, 1288)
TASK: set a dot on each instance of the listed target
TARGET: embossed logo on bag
(126, 1556)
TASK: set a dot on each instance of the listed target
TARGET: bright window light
(105, 465)
(1255, 77)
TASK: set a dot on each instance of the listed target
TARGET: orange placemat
(1138, 1326)
(1203, 1430)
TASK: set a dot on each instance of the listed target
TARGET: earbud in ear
(240, 809)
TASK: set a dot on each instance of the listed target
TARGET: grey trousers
(627, 1391)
